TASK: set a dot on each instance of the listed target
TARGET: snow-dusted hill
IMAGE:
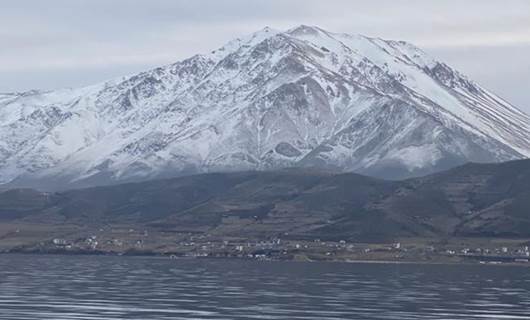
(304, 97)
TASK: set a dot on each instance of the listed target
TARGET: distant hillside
(471, 200)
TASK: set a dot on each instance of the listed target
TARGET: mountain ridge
(304, 97)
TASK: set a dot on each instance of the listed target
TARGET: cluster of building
(205, 245)
(499, 254)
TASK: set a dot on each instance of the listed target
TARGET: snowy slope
(269, 100)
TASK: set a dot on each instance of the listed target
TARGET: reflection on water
(94, 287)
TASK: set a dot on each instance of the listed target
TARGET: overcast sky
(68, 43)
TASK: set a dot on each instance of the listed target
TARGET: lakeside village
(144, 242)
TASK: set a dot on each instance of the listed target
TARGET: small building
(59, 242)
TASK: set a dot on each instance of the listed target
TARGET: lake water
(98, 287)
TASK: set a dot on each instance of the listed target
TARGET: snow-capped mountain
(304, 97)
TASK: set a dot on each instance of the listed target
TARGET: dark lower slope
(471, 200)
(474, 199)
(19, 203)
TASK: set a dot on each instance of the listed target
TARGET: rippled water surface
(97, 287)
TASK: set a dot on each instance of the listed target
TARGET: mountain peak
(305, 29)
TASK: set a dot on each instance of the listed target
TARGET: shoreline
(236, 258)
